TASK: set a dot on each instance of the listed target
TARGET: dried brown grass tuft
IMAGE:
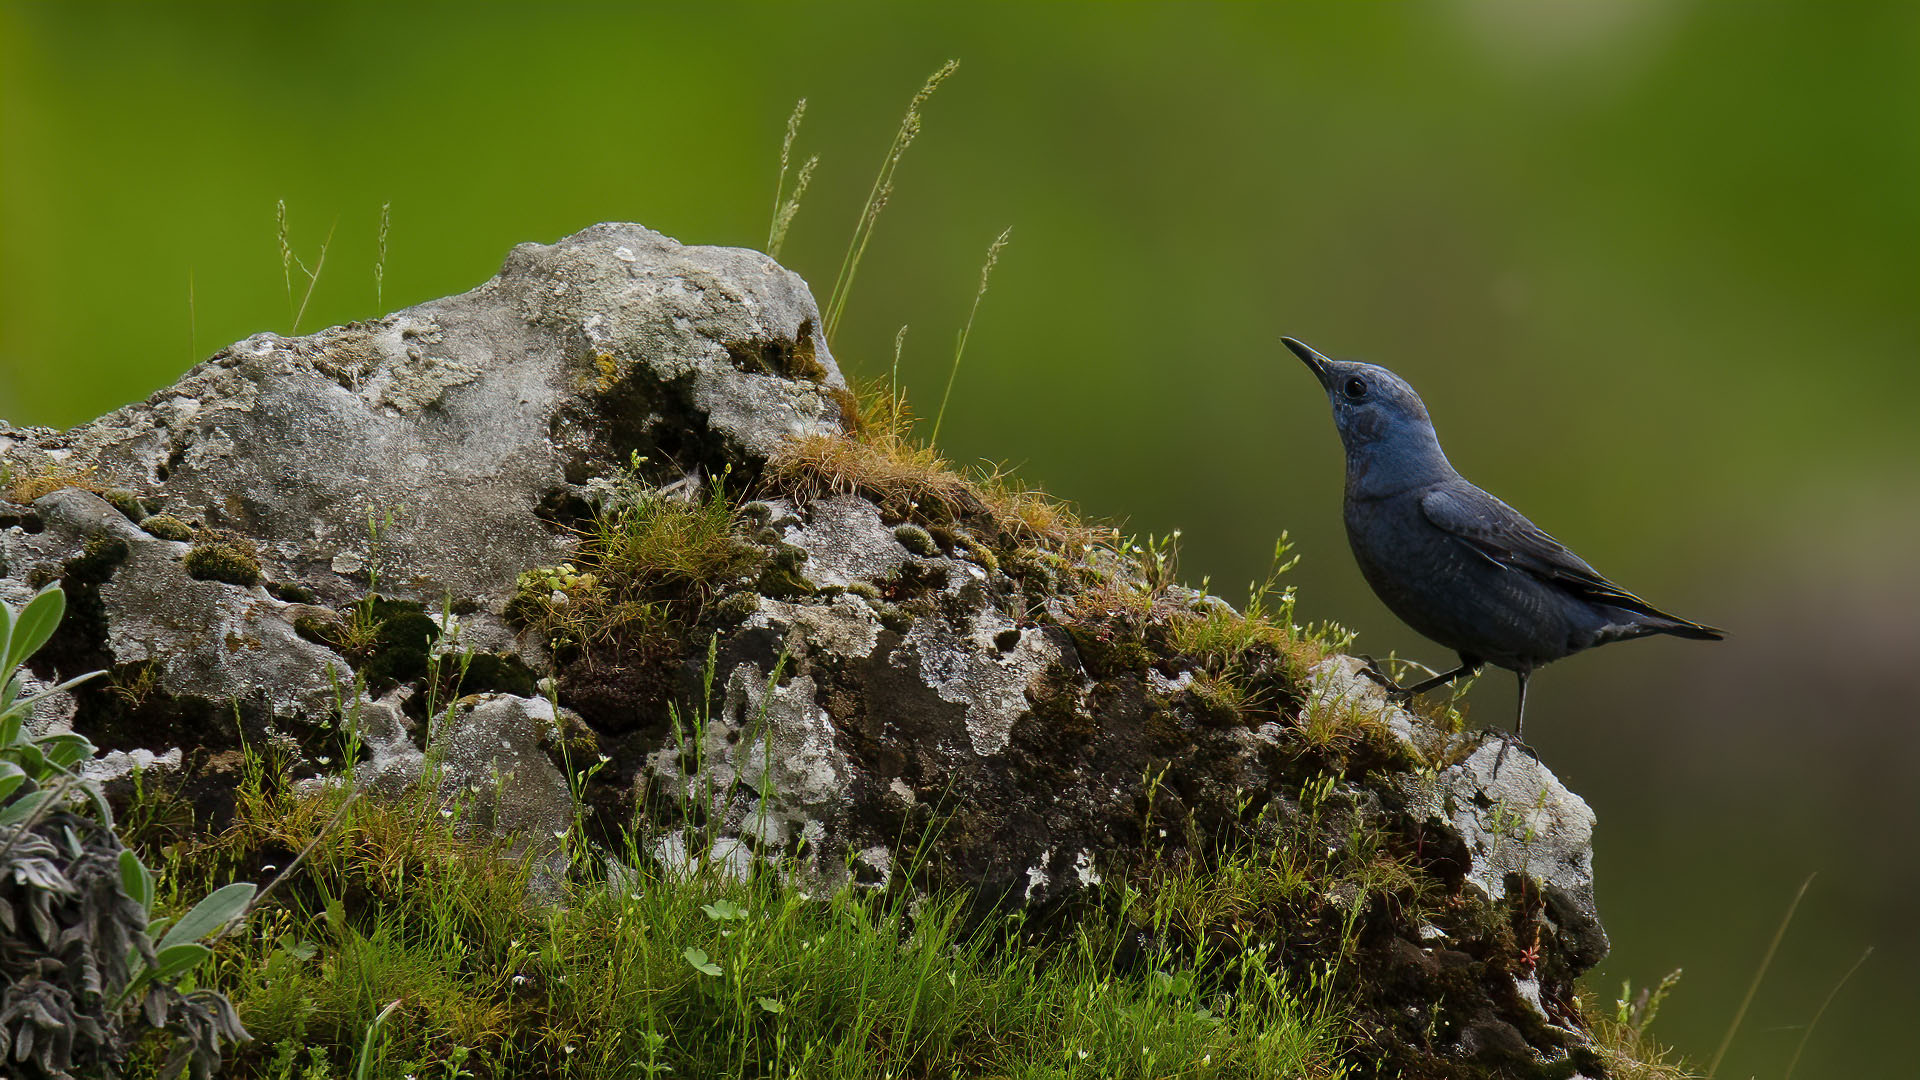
(26, 489)
(881, 458)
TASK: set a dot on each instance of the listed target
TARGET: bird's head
(1377, 414)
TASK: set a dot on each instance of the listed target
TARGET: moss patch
(127, 503)
(167, 527)
(233, 562)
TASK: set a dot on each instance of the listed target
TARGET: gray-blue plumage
(1455, 563)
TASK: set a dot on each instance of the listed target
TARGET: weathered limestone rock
(303, 537)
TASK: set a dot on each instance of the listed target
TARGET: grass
(1621, 1034)
(647, 564)
(784, 210)
(406, 937)
(877, 198)
(966, 329)
(46, 481)
(883, 459)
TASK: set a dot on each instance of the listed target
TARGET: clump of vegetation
(1621, 1034)
(404, 946)
(88, 969)
(881, 458)
(232, 561)
(167, 527)
(129, 504)
(648, 564)
(48, 479)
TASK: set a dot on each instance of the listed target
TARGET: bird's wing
(1497, 532)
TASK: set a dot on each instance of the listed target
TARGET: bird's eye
(1356, 388)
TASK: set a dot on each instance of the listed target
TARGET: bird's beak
(1321, 366)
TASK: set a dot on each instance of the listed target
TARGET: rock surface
(864, 679)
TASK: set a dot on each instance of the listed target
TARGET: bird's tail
(1644, 620)
(1678, 627)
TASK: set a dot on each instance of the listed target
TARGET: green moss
(736, 606)
(794, 359)
(231, 562)
(95, 562)
(400, 647)
(291, 594)
(1107, 648)
(979, 553)
(781, 580)
(127, 503)
(917, 540)
(502, 673)
(168, 527)
(321, 630)
(892, 616)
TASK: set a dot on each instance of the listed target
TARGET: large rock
(283, 543)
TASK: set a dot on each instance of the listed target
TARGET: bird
(1452, 561)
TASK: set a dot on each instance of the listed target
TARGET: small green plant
(648, 562)
(85, 976)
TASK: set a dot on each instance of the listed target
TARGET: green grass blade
(1740, 1014)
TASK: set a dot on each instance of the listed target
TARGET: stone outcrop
(303, 537)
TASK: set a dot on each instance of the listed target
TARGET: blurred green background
(1652, 264)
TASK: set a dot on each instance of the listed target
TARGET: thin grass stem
(1822, 1011)
(313, 278)
(380, 257)
(1740, 1014)
(783, 211)
(286, 251)
(960, 344)
(877, 197)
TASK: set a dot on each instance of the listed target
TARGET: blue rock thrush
(1455, 563)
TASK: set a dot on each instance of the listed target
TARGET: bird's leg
(1519, 719)
(1371, 669)
(1520, 710)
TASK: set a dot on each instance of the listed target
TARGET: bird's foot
(1372, 670)
(1508, 740)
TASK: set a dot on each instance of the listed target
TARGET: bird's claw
(1507, 742)
(1372, 670)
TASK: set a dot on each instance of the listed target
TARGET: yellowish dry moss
(26, 489)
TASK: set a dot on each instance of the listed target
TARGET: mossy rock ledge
(950, 706)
